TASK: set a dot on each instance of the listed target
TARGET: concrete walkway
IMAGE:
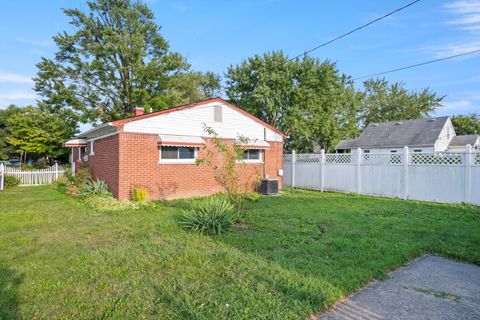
(427, 288)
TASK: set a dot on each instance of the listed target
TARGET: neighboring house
(159, 150)
(421, 135)
(458, 143)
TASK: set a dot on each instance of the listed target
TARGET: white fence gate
(32, 177)
(440, 177)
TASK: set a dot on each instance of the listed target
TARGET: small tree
(38, 133)
(228, 172)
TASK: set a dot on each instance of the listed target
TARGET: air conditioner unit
(269, 186)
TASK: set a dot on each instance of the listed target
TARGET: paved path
(427, 288)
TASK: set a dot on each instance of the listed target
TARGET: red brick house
(159, 150)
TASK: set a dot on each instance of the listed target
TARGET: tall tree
(6, 149)
(38, 133)
(116, 59)
(309, 100)
(466, 124)
(385, 102)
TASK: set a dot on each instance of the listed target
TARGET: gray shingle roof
(397, 134)
(461, 141)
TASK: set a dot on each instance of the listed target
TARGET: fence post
(294, 161)
(2, 175)
(358, 171)
(406, 182)
(322, 170)
(56, 170)
(468, 173)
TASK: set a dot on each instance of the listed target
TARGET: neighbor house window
(252, 155)
(217, 114)
(366, 151)
(417, 150)
(177, 154)
(393, 151)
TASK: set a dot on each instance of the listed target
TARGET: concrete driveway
(427, 288)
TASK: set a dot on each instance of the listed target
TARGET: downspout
(264, 154)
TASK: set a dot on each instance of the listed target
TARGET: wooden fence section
(439, 177)
(34, 177)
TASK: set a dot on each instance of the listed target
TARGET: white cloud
(17, 97)
(36, 43)
(466, 14)
(6, 77)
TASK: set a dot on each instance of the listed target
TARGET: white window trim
(253, 161)
(177, 161)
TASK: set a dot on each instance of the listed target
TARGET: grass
(294, 256)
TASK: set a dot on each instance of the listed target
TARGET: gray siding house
(420, 135)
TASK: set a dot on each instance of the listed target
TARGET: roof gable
(193, 105)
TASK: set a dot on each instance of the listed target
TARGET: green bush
(139, 194)
(210, 216)
(10, 181)
(98, 187)
(71, 183)
(108, 203)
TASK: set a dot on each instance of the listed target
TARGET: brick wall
(138, 165)
(104, 164)
(129, 159)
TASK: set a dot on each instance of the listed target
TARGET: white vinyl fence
(2, 174)
(439, 177)
(31, 177)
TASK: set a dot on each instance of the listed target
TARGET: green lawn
(296, 255)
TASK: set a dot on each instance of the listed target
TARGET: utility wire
(418, 64)
(354, 30)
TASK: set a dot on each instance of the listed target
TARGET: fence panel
(35, 177)
(2, 176)
(439, 177)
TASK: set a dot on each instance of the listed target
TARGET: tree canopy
(386, 102)
(114, 60)
(36, 132)
(6, 149)
(466, 124)
(310, 101)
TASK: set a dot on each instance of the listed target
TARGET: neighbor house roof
(461, 141)
(397, 134)
(119, 123)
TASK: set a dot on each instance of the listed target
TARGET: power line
(356, 29)
(418, 64)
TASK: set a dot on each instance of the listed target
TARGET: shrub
(210, 216)
(139, 194)
(99, 187)
(108, 203)
(81, 177)
(10, 181)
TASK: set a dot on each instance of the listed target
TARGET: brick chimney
(138, 111)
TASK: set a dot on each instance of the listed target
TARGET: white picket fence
(31, 177)
(439, 177)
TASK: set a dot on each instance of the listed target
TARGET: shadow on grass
(9, 283)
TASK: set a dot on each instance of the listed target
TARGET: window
(366, 151)
(417, 150)
(177, 154)
(217, 114)
(393, 151)
(252, 155)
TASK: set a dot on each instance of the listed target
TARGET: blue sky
(214, 34)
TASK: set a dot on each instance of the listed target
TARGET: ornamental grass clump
(98, 187)
(211, 216)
